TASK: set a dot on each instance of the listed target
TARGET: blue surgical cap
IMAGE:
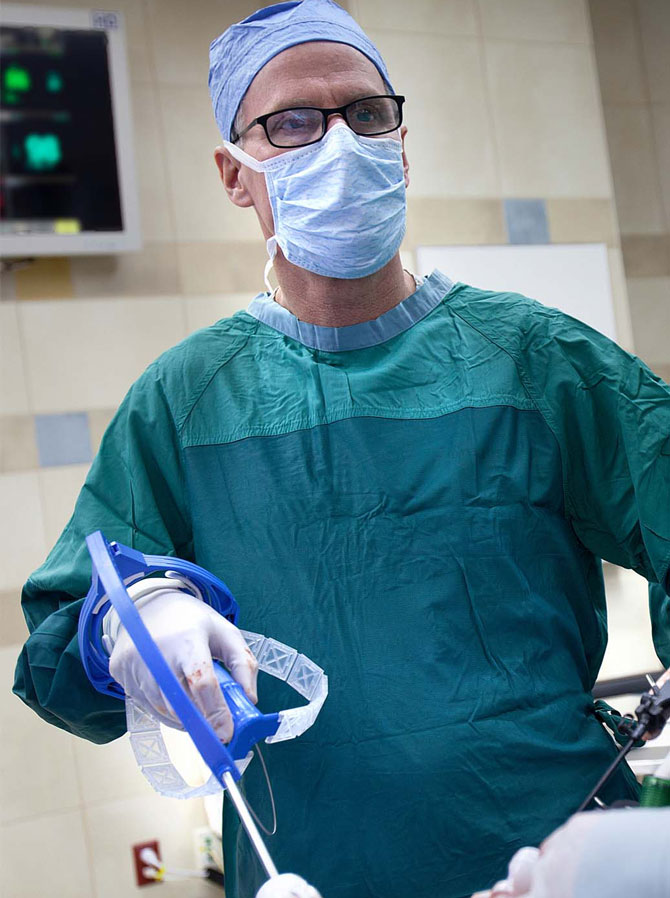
(236, 56)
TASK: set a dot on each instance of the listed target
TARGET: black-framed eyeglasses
(299, 126)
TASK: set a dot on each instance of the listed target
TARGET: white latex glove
(519, 874)
(189, 634)
(287, 885)
(548, 872)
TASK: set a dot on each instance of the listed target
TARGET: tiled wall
(632, 43)
(70, 811)
(506, 143)
(506, 138)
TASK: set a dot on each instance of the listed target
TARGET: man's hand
(625, 852)
(189, 634)
(548, 872)
(287, 885)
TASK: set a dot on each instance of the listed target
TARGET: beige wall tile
(13, 627)
(18, 449)
(37, 760)
(22, 542)
(45, 279)
(448, 222)
(98, 420)
(650, 311)
(646, 255)
(202, 209)
(457, 17)
(59, 488)
(548, 120)
(46, 856)
(222, 268)
(109, 772)
(630, 648)
(408, 258)
(449, 143)
(7, 286)
(622, 317)
(582, 221)
(663, 371)
(654, 16)
(116, 825)
(67, 371)
(201, 311)
(152, 271)
(140, 65)
(140, 57)
(539, 20)
(156, 214)
(13, 388)
(661, 122)
(636, 185)
(618, 49)
(181, 34)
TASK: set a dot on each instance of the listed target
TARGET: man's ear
(229, 171)
(405, 163)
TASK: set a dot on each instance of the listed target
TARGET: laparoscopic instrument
(652, 714)
(114, 568)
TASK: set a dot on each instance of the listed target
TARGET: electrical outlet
(140, 878)
(208, 851)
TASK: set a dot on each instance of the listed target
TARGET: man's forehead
(300, 74)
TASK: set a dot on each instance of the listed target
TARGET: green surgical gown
(419, 504)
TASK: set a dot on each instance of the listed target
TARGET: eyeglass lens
(303, 125)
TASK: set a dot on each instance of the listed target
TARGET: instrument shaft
(248, 823)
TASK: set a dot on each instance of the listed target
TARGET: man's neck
(335, 302)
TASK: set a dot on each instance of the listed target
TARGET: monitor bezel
(88, 242)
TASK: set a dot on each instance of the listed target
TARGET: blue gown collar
(355, 336)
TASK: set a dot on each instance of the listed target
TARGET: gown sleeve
(611, 416)
(135, 494)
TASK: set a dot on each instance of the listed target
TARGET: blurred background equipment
(67, 182)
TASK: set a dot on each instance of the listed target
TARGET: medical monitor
(67, 176)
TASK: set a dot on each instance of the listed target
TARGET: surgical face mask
(338, 205)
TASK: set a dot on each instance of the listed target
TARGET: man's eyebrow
(301, 101)
(291, 104)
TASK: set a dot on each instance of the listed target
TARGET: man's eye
(366, 115)
(288, 122)
(294, 123)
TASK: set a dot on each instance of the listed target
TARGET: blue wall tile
(63, 439)
(526, 221)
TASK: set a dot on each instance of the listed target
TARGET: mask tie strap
(257, 166)
(271, 246)
(244, 158)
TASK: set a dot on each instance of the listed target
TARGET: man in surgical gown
(412, 481)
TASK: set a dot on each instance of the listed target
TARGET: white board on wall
(572, 277)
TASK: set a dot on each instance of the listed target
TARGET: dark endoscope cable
(652, 714)
(606, 775)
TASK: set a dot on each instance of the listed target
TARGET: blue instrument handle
(250, 724)
(213, 751)
(132, 565)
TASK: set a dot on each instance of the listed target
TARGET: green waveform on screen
(43, 151)
(17, 78)
(54, 82)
